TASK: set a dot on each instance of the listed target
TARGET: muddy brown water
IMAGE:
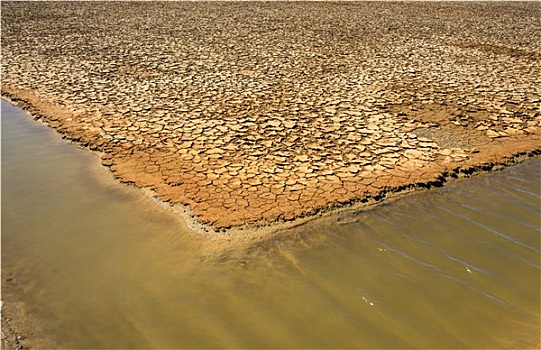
(89, 263)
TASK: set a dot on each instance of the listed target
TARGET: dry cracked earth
(250, 113)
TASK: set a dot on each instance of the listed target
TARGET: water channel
(89, 263)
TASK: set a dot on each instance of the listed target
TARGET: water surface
(95, 265)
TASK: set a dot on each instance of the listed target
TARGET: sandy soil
(9, 337)
(248, 114)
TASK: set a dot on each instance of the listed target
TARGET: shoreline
(248, 235)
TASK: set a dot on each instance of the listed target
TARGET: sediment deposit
(253, 113)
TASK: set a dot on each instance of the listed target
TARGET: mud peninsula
(251, 113)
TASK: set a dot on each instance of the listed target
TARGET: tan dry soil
(248, 114)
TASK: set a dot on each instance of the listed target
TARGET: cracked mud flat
(249, 114)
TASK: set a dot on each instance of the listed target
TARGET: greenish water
(94, 265)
